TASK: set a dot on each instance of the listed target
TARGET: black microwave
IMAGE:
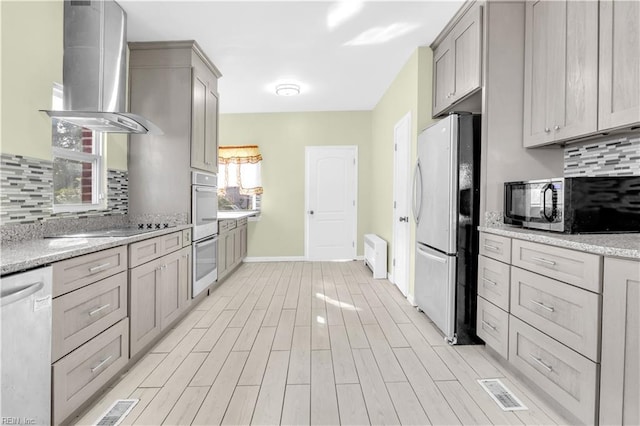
(575, 205)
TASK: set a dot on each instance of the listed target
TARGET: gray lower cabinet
(84, 371)
(158, 295)
(232, 245)
(620, 367)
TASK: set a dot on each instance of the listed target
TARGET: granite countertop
(23, 255)
(236, 214)
(616, 245)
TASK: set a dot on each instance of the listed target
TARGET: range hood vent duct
(95, 69)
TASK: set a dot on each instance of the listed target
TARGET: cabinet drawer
(229, 224)
(495, 247)
(153, 248)
(82, 314)
(84, 371)
(493, 326)
(565, 375)
(222, 226)
(241, 222)
(569, 314)
(77, 272)
(573, 267)
(493, 281)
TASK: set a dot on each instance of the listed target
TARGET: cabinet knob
(556, 127)
(547, 130)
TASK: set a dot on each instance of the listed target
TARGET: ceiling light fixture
(287, 89)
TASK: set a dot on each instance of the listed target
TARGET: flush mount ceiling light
(287, 89)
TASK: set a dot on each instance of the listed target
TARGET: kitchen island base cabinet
(620, 365)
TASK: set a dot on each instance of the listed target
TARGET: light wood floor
(313, 343)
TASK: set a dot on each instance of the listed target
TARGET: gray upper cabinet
(561, 71)
(173, 84)
(620, 369)
(204, 133)
(619, 85)
(457, 61)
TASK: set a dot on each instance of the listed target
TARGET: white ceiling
(255, 44)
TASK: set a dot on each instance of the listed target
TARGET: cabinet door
(467, 48)
(619, 85)
(170, 293)
(211, 132)
(199, 120)
(543, 29)
(222, 255)
(243, 241)
(230, 248)
(577, 85)
(620, 369)
(144, 309)
(443, 78)
(237, 246)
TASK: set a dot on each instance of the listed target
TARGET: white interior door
(330, 202)
(401, 189)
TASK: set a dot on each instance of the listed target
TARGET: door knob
(404, 218)
(310, 211)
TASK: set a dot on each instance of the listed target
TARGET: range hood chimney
(95, 69)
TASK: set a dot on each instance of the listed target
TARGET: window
(77, 166)
(239, 178)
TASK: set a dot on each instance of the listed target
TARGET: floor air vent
(501, 395)
(117, 412)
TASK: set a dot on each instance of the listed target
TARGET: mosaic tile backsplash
(613, 156)
(27, 192)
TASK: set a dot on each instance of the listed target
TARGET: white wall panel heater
(375, 255)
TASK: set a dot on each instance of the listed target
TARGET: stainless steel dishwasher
(25, 354)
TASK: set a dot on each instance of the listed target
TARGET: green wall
(282, 138)
(31, 62)
(409, 92)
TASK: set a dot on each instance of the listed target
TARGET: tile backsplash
(611, 156)
(27, 192)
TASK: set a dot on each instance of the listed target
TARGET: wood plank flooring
(298, 343)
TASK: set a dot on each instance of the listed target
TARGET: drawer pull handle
(543, 306)
(103, 362)
(95, 311)
(487, 246)
(493, 283)
(99, 268)
(543, 364)
(543, 260)
(489, 325)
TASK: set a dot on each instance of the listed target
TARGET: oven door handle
(206, 242)
(205, 189)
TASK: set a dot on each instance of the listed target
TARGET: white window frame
(98, 200)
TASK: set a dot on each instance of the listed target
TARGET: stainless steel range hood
(95, 69)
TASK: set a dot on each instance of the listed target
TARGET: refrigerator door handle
(417, 210)
(430, 256)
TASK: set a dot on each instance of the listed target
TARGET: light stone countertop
(614, 245)
(23, 255)
(236, 214)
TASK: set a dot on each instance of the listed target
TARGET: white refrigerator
(445, 209)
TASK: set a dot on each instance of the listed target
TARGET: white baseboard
(390, 278)
(411, 300)
(275, 259)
